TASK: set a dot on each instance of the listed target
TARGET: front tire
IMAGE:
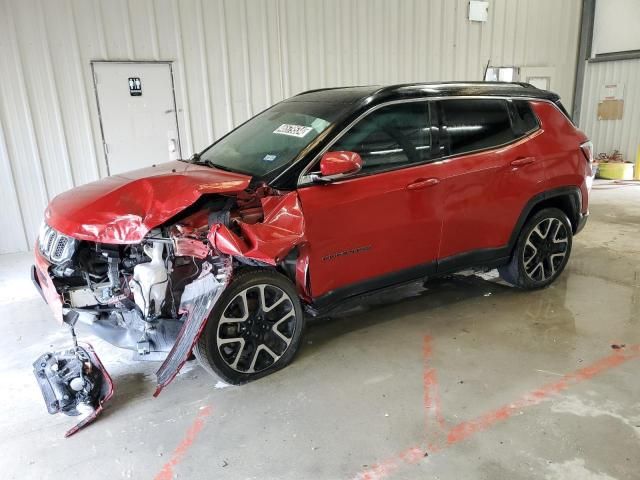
(542, 250)
(254, 329)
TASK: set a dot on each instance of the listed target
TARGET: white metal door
(137, 114)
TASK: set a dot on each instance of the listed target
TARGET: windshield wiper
(196, 158)
(209, 163)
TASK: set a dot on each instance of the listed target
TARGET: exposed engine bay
(154, 297)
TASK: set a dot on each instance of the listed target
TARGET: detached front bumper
(44, 284)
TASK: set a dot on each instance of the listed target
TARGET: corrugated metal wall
(232, 59)
(608, 135)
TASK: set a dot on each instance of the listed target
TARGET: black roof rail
(376, 93)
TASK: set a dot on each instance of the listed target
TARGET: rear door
(492, 171)
(383, 224)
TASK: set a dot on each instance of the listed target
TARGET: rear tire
(541, 252)
(254, 329)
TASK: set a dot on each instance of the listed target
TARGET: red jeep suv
(323, 197)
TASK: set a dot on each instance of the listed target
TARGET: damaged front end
(153, 297)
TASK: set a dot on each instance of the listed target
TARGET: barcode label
(292, 130)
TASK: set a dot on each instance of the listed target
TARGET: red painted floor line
(431, 399)
(464, 430)
(178, 454)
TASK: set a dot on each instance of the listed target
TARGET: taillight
(587, 151)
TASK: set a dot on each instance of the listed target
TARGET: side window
(474, 124)
(525, 118)
(390, 137)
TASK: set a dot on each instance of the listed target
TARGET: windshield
(271, 139)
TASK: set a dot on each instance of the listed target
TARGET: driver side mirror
(334, 165)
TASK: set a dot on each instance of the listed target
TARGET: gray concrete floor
(489, 382)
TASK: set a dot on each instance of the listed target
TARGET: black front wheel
(254, 329)
(542, 250)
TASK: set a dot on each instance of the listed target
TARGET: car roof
(374, 94)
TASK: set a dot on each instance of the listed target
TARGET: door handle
(519, 162)
(423, 183)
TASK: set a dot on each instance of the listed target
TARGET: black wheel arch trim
(572, 192)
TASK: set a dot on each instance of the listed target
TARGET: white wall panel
(615, 27)
(22, 147)
(608, 135)
(231, 59)
(11, 222)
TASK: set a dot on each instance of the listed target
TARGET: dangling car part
(327, 196)
(198, 299)
(74, 382)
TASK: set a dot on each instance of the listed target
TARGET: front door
(382, 225)
(137, 114)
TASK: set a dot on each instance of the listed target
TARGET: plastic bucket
(615, 171)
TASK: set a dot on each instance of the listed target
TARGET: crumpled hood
(123, 208)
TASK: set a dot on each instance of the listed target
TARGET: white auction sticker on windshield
(292, 130)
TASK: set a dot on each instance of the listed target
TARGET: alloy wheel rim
(545, 249)
(256, 328)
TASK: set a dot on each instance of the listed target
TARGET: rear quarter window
(525, 120)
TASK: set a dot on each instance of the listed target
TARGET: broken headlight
(55, 246)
